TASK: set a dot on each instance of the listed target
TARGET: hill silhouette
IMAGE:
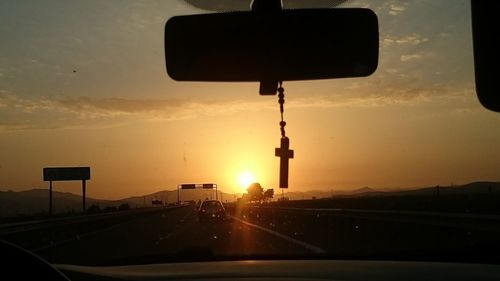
(170, 196)
(477, 197)
(35, 201)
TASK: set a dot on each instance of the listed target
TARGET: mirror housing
(486, 53)
(286, 45)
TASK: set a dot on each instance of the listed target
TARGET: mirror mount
(267, 88)
(266, 6)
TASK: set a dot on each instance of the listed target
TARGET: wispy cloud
(411, 57)
(152, 109)
(412, 39)
(396, 9)
(73, 112)
(67, 111)
(116, 106)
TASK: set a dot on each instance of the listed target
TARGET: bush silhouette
(94, 209)
(124, 207)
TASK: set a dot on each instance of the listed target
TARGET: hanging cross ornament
(283, 152)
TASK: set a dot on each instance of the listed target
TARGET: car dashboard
(287, 270)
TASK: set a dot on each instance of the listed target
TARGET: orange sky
(415, 122)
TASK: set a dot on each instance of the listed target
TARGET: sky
(83, 83)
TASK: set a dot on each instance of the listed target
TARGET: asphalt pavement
(176, 234)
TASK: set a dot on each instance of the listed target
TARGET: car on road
(211, 209)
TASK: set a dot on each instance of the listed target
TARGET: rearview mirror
(282, 46)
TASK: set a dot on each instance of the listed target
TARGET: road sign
(66, 173)
(194, 186)
(209, 186)
(188, 186)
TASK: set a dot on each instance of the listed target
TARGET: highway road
(170, 233)
(177, 235)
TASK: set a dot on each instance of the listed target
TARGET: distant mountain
(358, 192)
(170, 196)
(37, 201)
(300, 195)
(482, 187)
(470, 188)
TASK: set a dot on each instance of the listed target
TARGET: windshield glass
(403, 164)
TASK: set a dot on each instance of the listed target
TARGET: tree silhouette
(255, 192)
(268, 194)
(94, 209)
(124, 207)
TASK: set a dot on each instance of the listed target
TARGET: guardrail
(387, 212)
(455, 220)
(8, 228)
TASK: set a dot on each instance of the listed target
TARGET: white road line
(308, 246)
(185, 217)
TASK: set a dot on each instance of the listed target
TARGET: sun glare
(245, 179)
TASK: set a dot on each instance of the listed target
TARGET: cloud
(152, 109)
(6, 126)
(412, 39)
(411, 57)
(117, 106)
(68, 112)
(396, 9)
(26, 105)
(44, 113)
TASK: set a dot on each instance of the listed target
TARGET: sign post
(211, 186)
(178, 186)
(84, 187)
(50, 198)
(66, 174)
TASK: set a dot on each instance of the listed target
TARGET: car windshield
(106, 160)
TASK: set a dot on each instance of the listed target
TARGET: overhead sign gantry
(196, 185)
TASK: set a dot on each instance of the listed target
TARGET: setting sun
(245, 179)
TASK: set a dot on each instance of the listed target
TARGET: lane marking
(308, 246)
(175, 228)
(185, 217)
